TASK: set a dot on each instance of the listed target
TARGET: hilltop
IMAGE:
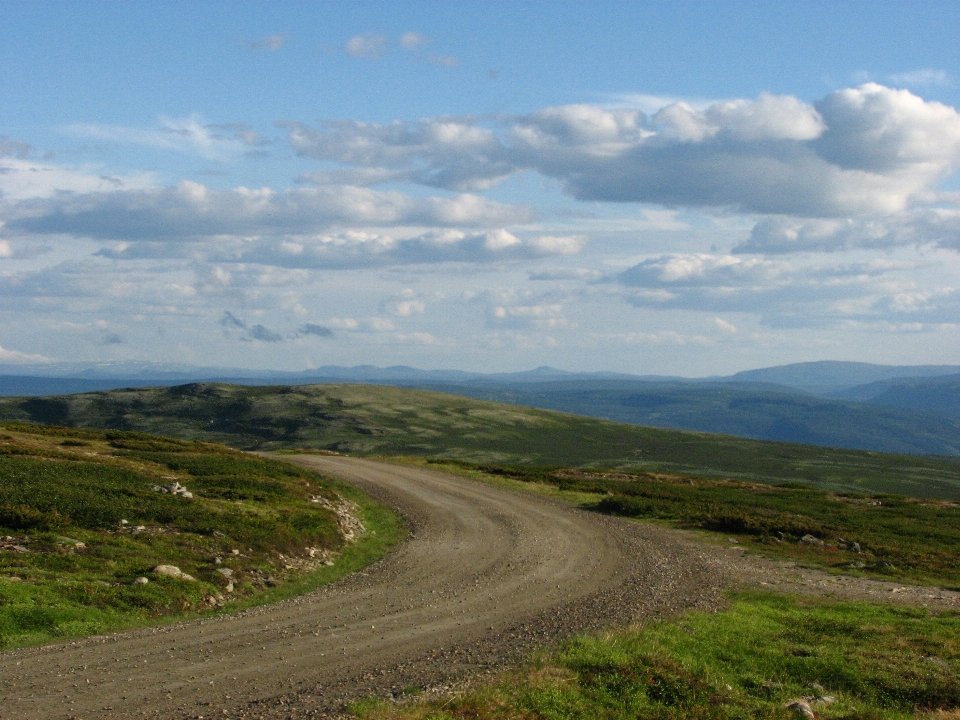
(380, 420)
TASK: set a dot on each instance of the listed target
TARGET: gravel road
(487, 575)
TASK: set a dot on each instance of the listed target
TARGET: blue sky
(681, 188)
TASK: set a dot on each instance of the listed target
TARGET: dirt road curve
(487, 573)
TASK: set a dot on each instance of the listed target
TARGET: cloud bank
(190, 210)
(858, 151)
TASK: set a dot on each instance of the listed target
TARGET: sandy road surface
(486, 574)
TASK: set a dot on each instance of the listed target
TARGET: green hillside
(105, 530)
(377, 420)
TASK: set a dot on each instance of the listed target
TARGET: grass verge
(84, 522)
(845, 660)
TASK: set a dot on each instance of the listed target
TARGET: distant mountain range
(907, 409)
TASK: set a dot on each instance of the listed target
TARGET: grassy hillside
(84, 523)
(752, 411)
(377, 420)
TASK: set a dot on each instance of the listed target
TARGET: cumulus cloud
(783, 292)
(450, 153)
(366, 46)
(865, 150)
(413, 40)
(779, 234)
(405, 304)
(527, 317)
(190, 210)
(353, 248)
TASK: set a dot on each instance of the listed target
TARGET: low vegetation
(376, 420)
(845, 661)
(88, 517)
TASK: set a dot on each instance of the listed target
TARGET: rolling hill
(750, 410)
(380, 420)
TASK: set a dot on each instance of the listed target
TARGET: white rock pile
(173, 488)
(348, 523)
(172, 571)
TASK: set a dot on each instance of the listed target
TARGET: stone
(172, 571)
(141, 581)
(801, 709)
(226, 572)
(811, 540)
(173, 488)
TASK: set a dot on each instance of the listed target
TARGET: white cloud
(524, 317)
(724, 325)
(22, 179)
(781, 234)
(190, 211)
(367, 46)
(413, 40)
(650, 104)
(785, 293)
(452, 153)
(860, 151)
(191, 135)
(921, 78)
(15, 357)
(354, 248)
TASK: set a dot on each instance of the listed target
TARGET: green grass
(377, 420)
(900, 538)
(875, 661)
(81, 504)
